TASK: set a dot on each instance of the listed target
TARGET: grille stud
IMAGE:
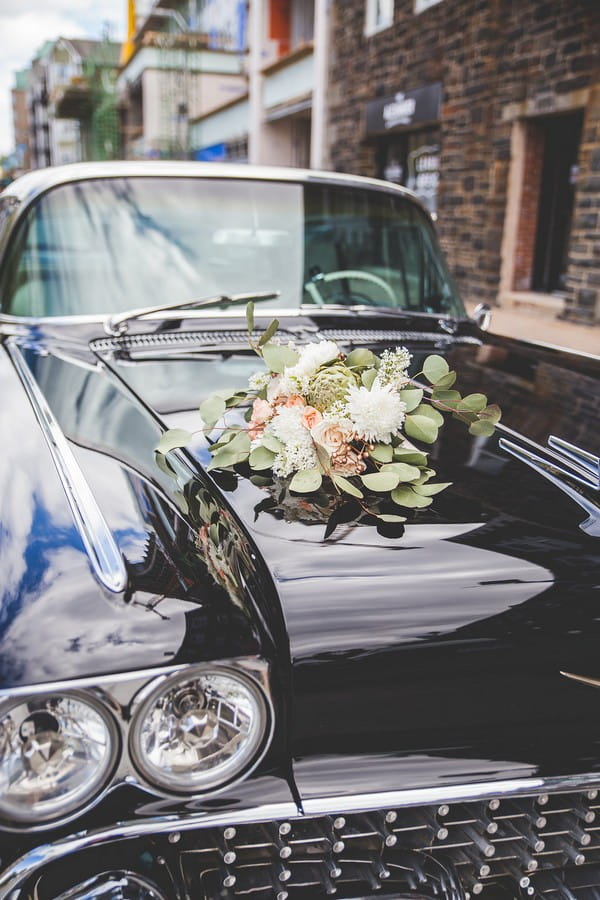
(501, 841)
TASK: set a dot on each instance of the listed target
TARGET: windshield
(111, 245)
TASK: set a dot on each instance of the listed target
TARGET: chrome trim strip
(591, 525)
(580, 457)
(97, 537)
(24, 867)
(99, 681)
(573, 471)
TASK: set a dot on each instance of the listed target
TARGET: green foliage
(380, 481)
(411, 397)
(306, 481)
(395, 473)
(435, 368)
(382, 453)
(421, 428)
(211, 411)
(173, 439)
(278, 357)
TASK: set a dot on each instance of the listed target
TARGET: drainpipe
(256, 35)
(318, 131)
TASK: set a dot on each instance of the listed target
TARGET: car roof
(27, 187)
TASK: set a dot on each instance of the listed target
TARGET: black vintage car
(200, 697)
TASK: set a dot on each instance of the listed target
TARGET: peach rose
(295, 400)
(310, 417)
(261, 412)
(331, 436)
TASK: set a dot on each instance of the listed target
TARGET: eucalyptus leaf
(429, 490)
(323, 457)
(406, 496)
(271, 443)
(425, 410)
(482, 428)
(380, 481)
(473, 403)
(211, 410)
(447, 381)
(446, 399)
(435, 368)
(250, 316)
(492, 413)
(306, 481)
(412, 457)
(403, 470)
(260, 458)
(268, 334)
(240, 443)
(225, 438)
(361, 358)
(382, 453)
(345, 485)
(172, 439)
(411, 397)
(421, 428)
(278, 357)
(163, 464)
(368, 377)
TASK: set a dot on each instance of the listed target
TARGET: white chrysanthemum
(312, 356)
(287, 426)
(394, 364)
(259, 381)
(294, 458)
(377, 414)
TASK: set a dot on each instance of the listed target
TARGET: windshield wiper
(117, 325)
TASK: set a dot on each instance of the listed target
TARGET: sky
(26, 24)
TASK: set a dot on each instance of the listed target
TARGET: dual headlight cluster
(191, 732)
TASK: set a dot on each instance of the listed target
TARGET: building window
(422, 5)
(380, 15)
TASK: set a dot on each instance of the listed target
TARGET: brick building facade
(490, 109)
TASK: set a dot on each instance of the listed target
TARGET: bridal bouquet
(320, 422)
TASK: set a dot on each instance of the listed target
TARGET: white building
(281, 117)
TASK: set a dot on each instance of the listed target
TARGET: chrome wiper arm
(117, 325)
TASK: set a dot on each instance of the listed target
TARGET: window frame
(371, 25)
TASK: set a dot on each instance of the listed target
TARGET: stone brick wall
(583, 276)
(498, 60)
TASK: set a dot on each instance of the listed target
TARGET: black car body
(428, 711)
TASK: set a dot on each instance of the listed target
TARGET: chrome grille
(136, 344)
(377, 336)
(531, 845)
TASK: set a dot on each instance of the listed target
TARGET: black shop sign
(404, 108)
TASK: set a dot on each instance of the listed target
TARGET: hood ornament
(565, 461)
(593, 682)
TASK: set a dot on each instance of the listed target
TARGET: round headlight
(198, 729)
(56, 752)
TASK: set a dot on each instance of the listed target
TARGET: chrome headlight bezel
(119, 697)
(220, 776)
(13, 820)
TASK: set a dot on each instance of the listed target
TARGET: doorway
(561, 136)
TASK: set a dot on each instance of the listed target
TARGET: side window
(379, 15)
